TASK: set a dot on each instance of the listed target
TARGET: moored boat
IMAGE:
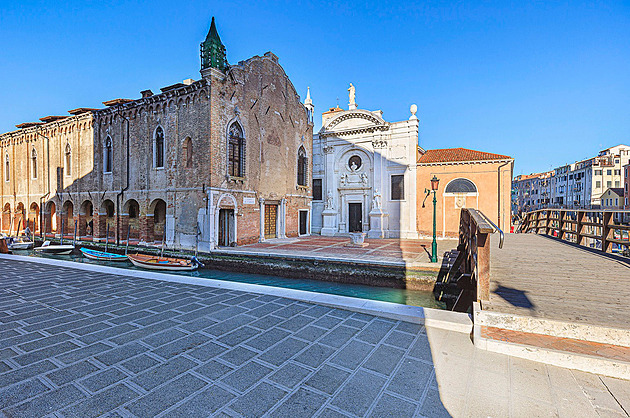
(153, 262)
(102, 255)
(61, 249)
(20, 243)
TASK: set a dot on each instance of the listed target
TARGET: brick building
(216, 161)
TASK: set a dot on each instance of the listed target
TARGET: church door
(271, 217)
(226, 227)
(354, 217)
(303, 222)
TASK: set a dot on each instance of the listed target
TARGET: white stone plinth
(378, 224)
(329, 227)
(358, 239)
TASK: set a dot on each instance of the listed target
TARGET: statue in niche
(364, 178)
(329, 201)
(353, 166)
(376, 203)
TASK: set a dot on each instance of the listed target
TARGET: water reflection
(402, 296)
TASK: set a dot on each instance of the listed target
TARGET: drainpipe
(41, 208)
(499, 194)
(122, 190)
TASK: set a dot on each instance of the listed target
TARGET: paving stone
(303, 403)
(207, 351)
(143, 332)
(88, 329)
(44, 342)
(375, 331)
(389, 406)
(198, 324)
(257, 401)
(351, 322)
(421, 349)
(84, 352)
(107, 333)
(317, 311)
(166, 396)
(327, 379)
(283, 351)
(408, 327)
(103, 379)
(101, 403)
(352, 355)
(17, 393)
(202, 404)
(228, 325)
(154, 319)
(238, 355)
(6, 353)
(338, 336)
(164, 337)
(267, 339)
(264, 310)
(19, 339)
(289, 311)
(328, 322)
(266, 322)
(295, 323)
(411, 379)
(289, 375)
(139, 363)
(246, 376)
(164, 372)
(331, 413)
(130, 317)
(315, 355)
(121, 353)
(71, 373)
(181, 346)
(47, 403)
(71, 326)
(384, 359)
(238, 336)
(399, 339)
(4, 367)
(310, 333)
(358, 394)
(433, 407)
(214, 370)
(227, 313)
(44, 353)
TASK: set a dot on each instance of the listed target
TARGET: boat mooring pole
(106, 237)
(61, 241)
(197, 240)
(127, 245)
(74, 241)
(163, 240)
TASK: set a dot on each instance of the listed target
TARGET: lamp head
(434, 183)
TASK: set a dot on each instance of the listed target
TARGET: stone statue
(352, 95)
(353, 166)
(329, 201)
(343, 179)
(364, 178)
(376, 203)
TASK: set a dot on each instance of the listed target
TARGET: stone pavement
(407, 251)
(80, 343)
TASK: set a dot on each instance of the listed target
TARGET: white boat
(62, 249)
(20, 243)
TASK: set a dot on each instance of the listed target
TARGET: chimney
(146, 93)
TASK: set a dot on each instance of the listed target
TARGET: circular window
(354, 162)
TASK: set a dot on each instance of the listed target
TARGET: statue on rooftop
(352, 104)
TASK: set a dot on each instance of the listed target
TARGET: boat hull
(56, 249)
(161, 263)
(101, 255)
(21, 246)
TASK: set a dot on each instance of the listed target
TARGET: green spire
(213, 50)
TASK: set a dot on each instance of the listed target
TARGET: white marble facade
(355, 155)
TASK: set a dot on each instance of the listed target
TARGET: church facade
(364, 173)
(218, 161)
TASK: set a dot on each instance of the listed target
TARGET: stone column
(99, 222)
(122, 227)
(261, 202)
(282, 233)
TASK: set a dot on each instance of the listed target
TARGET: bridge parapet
(608, 230)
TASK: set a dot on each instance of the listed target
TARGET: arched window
(159, 147)
(33, 163)
(188, 152)
(302, 167)
(236, 151)
(7, 168)
(68, 160)
(107, 164)
(461, 186)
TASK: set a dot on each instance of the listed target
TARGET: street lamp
(434, 186)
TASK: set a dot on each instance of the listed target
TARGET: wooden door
(354, 217)
(226, 227)
(303, 222)
(271, 217)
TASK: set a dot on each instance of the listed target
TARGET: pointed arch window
(7, 168)
(302, 167)
(33, 164)
(108, 163)
(68, 160)
(236, 151)
(159, 147)
(188, 152)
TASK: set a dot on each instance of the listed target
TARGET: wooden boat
(20, 243)
(101, 255)
(61, 249)
(154, 262)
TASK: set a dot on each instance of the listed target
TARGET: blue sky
(545, 82)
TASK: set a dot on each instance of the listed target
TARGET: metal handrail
(501, 235)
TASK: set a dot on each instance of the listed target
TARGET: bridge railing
(608, 230)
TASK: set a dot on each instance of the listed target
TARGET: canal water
(402, 296)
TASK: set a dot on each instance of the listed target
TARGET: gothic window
(188, 152)
(33, 163)
(68, 160)
(236, 151)
(302, 168)
(461, 186)
(107, 166)
(159, 147)
(7, 168)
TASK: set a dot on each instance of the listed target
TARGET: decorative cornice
(354, 131)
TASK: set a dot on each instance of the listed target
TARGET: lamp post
(434, 186)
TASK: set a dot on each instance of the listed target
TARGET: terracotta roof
(333, 110)
(115, 102)
(28, 124)
(458, 154)
(80, 110)
(52, 118)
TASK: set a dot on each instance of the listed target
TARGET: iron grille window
(398, 187)
(302, 167)
(236, 151)
(317, 189)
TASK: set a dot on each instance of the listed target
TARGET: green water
(402, 296)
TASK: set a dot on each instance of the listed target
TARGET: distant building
(626, 186)
(531, 191)
(468, 179)
(612, 198)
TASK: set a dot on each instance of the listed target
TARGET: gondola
(101, 255)
(153, 262)
(62, 249)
